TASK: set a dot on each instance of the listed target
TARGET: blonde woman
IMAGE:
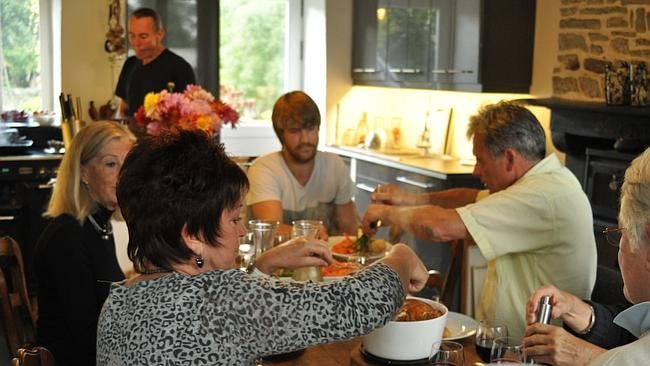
(75, 257)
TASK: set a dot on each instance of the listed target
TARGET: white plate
(460, 326)
(353, 257)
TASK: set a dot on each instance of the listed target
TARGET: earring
(199, 261)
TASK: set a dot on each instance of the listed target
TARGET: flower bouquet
(195, 108)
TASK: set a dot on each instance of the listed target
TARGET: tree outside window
(251, 49)
(20, 86)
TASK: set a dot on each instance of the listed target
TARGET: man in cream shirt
(533, 223)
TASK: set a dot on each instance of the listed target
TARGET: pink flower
(195, 108)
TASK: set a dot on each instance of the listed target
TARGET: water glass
(246, 251)
(486, 333)
(447, 353)
(507, 350)
(306, 228)
(263, 234)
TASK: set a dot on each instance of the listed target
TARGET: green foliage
(19, 27)
(251, 48)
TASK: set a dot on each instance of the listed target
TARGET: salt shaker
(544, 310)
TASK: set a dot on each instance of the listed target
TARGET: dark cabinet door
(469, 45)
(397, 42)
(493, 49)
(370, 40)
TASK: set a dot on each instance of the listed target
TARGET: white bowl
(44, 119)
(406, 341)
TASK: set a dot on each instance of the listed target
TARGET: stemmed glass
(447, 353)
(486, 333)
(507, 350)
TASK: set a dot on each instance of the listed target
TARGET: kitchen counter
(411, 160)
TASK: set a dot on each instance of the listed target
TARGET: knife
(64, 112)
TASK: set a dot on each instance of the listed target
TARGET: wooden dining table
(348, 353)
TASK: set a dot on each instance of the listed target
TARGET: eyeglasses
(613, 235)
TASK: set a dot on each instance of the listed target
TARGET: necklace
(105, 232)
(156, 270)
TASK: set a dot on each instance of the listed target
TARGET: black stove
(26, 183)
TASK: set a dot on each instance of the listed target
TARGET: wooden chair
(446, 284)
(18, 319)
(37, 356)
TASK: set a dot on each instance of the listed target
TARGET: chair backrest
(609, 286)
(18, 317)
(37, 356)
(446, 284)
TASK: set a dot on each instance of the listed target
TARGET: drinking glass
(507, 350)
(486, 333)
(246, 251)
(447, 353)
(309, 229)
(306, 228)
(263, 234)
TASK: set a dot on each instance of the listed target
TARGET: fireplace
(599, 141)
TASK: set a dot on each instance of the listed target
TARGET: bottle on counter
(362, 129)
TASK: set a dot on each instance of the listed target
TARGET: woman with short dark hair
(181, 198)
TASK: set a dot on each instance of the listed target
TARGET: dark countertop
(32, 156)
(411, 160)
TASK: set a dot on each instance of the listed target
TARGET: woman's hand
(550, 344)
(295, 253)
(408, 266)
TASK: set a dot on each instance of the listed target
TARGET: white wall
(86, 70)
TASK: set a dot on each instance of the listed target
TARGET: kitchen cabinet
(396, 41)
(467, 45)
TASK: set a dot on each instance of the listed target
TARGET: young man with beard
(299, 182)
(154, 67)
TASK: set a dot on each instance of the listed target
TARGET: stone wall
(593, 33)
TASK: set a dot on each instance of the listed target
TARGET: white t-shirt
(537, 231)
(329, 185)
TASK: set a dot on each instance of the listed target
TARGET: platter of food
(344, 248)
(459, 326)
(333, 272)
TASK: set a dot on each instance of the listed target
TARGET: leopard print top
(230, 318)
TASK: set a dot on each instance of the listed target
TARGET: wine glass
(447, 353)
(486, 333)
(507, 350)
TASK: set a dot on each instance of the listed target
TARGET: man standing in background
(154, 67)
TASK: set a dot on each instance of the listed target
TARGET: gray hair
(509, 125)
(635, 201)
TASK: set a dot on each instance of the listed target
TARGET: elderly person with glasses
(554, 345)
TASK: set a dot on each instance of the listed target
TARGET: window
(20, 55)
(252, 54)
(258, 46)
